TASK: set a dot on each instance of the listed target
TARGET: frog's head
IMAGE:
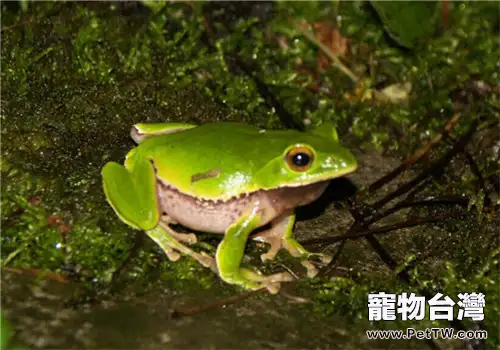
(305, 158)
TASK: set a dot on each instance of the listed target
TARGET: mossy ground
(76, 76)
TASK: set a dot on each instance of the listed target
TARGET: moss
(76, 76)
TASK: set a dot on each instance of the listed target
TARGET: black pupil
(301, 159)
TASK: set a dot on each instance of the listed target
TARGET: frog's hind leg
(280, 235)
(138, 206)
(164, 236)
(142, 131)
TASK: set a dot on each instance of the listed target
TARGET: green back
(222, 160)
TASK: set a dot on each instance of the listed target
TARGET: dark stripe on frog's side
(206, 175)
(216, 216)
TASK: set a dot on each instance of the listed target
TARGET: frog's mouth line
(318, 179)
(215, 201)
(217, 171)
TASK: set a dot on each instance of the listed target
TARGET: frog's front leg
(230, 253)
(280, 235)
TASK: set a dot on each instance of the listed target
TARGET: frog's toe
(272, 287)
(207, 261)
(323, 259)
(280, 277)
(271, 282)
(189, 238)
(313, 260)
(274, 242)
(312, 271)
(269, 255)
(172, 255)
(257, 276)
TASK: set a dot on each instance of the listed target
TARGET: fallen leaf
(329, 36)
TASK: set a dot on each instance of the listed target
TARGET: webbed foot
(162, 235)
(271, 282)
(280, 235)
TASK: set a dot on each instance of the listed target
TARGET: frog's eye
(299, 158)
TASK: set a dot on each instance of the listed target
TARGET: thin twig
(38, 272)
(309, 36)
(419, 154)
(434, 168)
(231, 300)
(439, 164)
(294, 275)
(31, 20)
(416, 190)
(377, 230)
(475, 169)
(447, 200)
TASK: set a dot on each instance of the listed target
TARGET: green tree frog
(226, 178)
